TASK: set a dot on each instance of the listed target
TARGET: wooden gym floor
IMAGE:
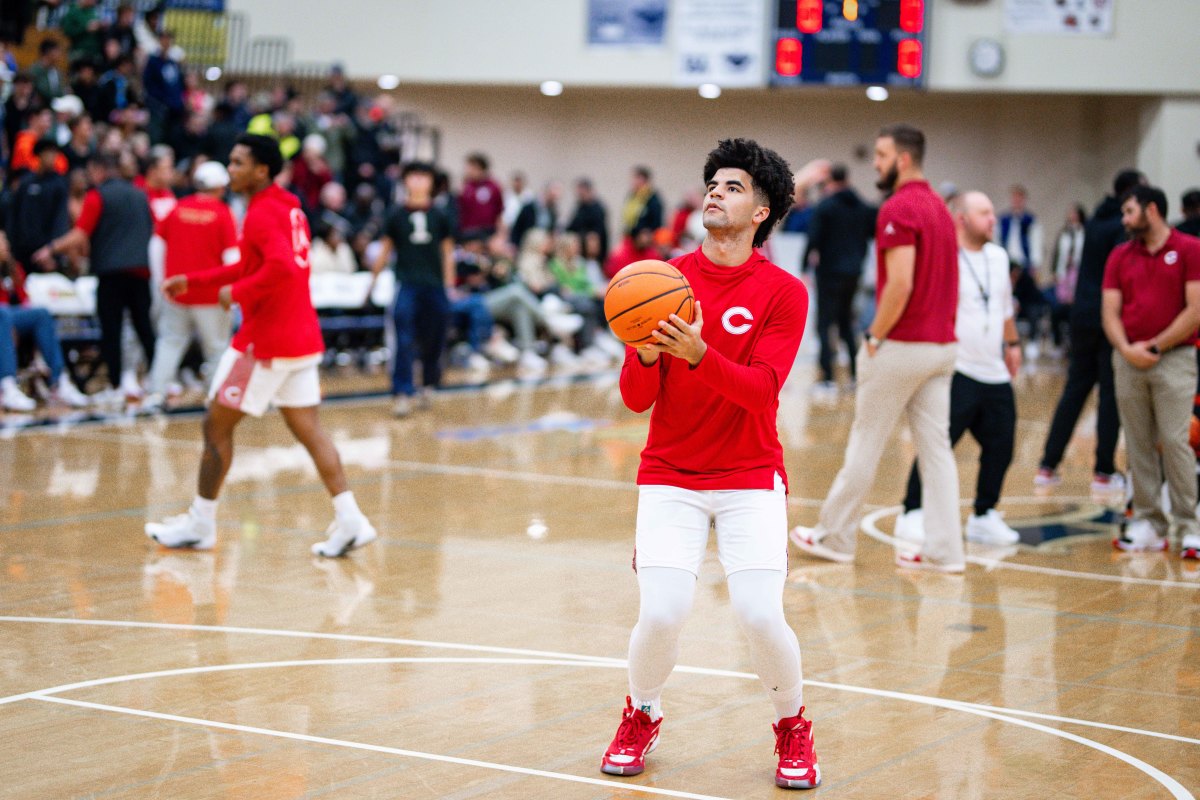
(475, 650)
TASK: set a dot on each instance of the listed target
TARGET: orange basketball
(1194, 435)
(644, 294)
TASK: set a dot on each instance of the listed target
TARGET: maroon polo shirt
(916, 215)
(1152, 284)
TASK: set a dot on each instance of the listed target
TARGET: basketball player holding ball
(713, 457)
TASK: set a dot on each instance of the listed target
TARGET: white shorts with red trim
(673, 524)
(252, 385)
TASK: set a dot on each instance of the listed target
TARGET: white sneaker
(130, 386)
(1139, 536)
(68, 394)
(16, 400)
(402, 406)
(184, 531)
(344, 538)
(501, 350)
(806, 539)
(612, 347)
(594, 357)
(991, 529)
(915, 561)
(562, 356)
(531, 362)
(1108, 484)
(563, 325)
(477, 362)
(910, 527)
(1189, 546)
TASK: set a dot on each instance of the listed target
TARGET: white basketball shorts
(673, 523)
(251, 386)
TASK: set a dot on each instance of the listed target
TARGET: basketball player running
(713, 457)
(272, 359)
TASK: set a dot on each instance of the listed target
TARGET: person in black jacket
(590, 216)
(839, 231)
(1190, 224)
(38, 212)
(1090, 359)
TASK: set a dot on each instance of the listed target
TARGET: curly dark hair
(770, 175)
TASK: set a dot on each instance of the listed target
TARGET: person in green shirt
(85, 29)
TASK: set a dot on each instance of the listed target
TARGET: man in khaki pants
(905, 365)
(1150, 314)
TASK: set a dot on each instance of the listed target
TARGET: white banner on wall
(626, 22)
(1060, 17)
(719, 41)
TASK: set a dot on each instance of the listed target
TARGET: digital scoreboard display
(849, 42)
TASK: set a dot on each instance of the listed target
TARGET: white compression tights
(756, 596)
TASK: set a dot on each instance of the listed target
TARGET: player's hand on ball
(174, 286)
(678, 338)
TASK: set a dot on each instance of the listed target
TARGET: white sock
(9, 384)
(653, 708)
(346, 507)
(205, 509)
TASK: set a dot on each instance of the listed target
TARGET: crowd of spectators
(117, 95)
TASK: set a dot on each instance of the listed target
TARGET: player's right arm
(640, 380)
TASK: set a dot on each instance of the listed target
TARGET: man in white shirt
(989, 356)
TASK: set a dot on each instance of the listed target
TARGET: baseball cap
(211, 175)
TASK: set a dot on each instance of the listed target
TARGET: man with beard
(905, 366)
(1151, 311)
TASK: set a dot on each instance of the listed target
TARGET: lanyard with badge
(984, 285)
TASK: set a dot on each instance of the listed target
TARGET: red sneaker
(636, 737)
(797, 760)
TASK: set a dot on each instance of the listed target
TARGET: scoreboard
(849, 42)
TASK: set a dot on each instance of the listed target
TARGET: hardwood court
(475, 650)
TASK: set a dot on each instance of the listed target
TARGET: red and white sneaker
(916, 561)
(1139, 536)
(636, 737)
(1189, 546)
(797, 760)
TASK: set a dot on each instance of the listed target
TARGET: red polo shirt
(1152, 284)
(916, 215)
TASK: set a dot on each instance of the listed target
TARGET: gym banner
(1059, 17)
(720, 41)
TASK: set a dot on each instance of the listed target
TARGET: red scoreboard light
(908, 58)
(788, 57)
(810, 15)
(912, 15)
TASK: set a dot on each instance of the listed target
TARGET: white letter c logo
(737, 311)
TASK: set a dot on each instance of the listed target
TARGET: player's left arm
(753, 386)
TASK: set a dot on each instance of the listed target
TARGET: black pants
(989, 412)
(114, 294)
(1089, 364)
(835, 305)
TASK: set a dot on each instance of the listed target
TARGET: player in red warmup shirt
(273, 358)
(713, 457)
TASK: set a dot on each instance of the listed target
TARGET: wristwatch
(1016, 343)
(874, 340)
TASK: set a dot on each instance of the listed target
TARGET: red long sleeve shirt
(713, 426)
(271, 280)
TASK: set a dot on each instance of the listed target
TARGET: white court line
(871, 528)
(302, 737)
(1176, 789)
(340, 637)
(564, 659)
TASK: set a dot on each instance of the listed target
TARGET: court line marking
(871, 528)
(303, 737)
(555, 658)
(341, 637)
(1173, 786)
